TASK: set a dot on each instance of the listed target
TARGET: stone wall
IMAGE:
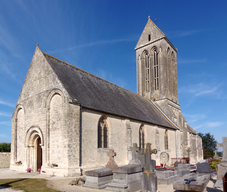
(4, 160)
(121, 134)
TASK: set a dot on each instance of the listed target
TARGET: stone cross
(111, 162)
(134, 159)
(224, 146)
(148, 152)
(149, 180)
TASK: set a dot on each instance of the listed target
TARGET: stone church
(69, 117)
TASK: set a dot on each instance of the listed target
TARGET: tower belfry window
(156, 75)
(147, 75)
(149, 37)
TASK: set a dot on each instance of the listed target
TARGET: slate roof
(95, 93)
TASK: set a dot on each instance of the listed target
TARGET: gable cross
(111, 154)
(224, 146)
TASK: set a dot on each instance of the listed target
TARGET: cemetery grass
(28, 185)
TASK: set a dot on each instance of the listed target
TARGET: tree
(209, 144)
(5, 147)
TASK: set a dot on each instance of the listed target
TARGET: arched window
(166, 139)
(141, 137)
(156, 80)
(102, 133)
(147, 70)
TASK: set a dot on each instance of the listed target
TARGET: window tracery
(102, 133)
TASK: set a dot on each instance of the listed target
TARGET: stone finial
(111, 162)
(149, 17)
(37, 46)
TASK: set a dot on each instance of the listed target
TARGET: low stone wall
(4, 159)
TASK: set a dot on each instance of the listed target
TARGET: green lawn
(28, 185)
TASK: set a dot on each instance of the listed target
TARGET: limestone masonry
(66, 119)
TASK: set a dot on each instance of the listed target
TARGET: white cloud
(101, 42)
(3, 136)
(202, 89)
(186, 61)
(5, 114)
(5, 123)
(195, 117)
(186, 33)
(209, 125)
(6, 103)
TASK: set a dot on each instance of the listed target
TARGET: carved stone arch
(144, 53)
(103, 132)
(154, 49)
(34, 142)
(31, 134)
(17, 108)
(53, 92)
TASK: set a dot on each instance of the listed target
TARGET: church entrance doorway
(39, 153)
(34, 148)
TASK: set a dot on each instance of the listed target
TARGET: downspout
(80, 137)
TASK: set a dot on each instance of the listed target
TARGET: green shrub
(214, 163)
(5, 147)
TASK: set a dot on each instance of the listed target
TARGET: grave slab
(194, 186)
(98, 178)
(126, 178)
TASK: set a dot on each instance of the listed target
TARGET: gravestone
(192, 182)
(164, 158)
(149, 179)
(203, 168)
(111, 162)
(183, 169)
(98, 178)
(215, 155)
(135, 151)
(222, 166)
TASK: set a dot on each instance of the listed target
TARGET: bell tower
(156, 65)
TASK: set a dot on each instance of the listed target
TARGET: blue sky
(99, 36)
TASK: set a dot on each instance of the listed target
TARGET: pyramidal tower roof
(150, 34)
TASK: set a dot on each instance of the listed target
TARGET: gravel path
(62, 183)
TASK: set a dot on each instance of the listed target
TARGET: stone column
(129, 140)
(13, 157)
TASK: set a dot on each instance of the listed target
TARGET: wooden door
(39, 154)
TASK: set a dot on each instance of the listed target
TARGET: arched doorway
(34, 144)
(39, 153)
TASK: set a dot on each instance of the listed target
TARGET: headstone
(149, 179)
(222, 166)
(126, 178)
(134, 159)
(98, 178)
(215, 155)
(183, 169)
(111, 162)
(203, 168)
(164, 158)
(192, 182)
(176, 164)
